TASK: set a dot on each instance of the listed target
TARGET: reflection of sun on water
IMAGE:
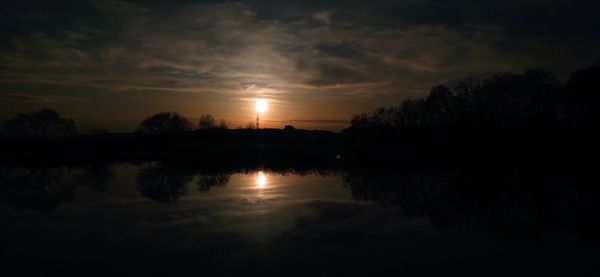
(261, 180)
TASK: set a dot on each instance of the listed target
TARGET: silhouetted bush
(45, 123)
(166, 122)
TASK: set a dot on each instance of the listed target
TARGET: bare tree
(206, 122)
(222, 125)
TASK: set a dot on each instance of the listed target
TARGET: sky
(110, 64)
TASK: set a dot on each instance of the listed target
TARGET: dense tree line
(536, 97)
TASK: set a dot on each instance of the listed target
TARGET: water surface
(162, 219)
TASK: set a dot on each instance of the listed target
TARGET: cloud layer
(316, 61)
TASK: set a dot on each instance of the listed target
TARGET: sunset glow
(300, 138)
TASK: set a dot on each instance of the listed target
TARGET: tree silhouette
(583, 97)
(440, 106)
(45, 123)
(508, 99)
(535, 97)
(206, 122)
(166, 122)
(222, 125)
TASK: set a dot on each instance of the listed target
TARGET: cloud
(323, 17)
(339, 50)
(376, 53)
(39, 98)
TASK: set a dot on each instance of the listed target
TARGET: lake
(167, 219)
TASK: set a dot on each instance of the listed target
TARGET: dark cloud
(339, 50)
(329, 74)
(38, 98)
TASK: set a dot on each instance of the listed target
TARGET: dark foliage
(166, 122)
(45, 123)
(583, 95)
(535, 98)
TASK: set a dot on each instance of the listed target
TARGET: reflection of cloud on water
(257, 201)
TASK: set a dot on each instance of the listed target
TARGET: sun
(261, 105)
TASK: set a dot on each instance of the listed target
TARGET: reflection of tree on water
(45, 188)
(39, 189)
(96, 177)
(508, 201)
(207, 181)
(163, 182)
